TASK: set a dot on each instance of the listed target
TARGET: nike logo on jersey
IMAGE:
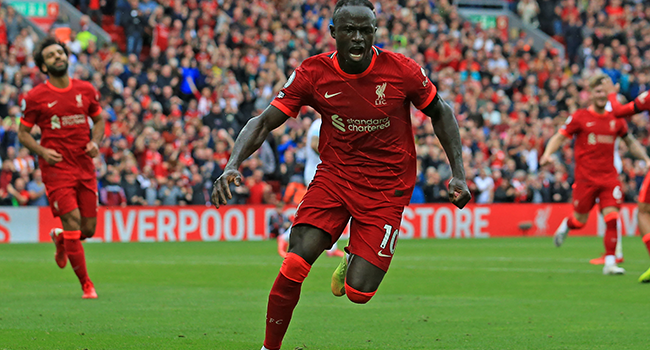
(50, 105)
(590, 124)
(327, 95)
(383, 255)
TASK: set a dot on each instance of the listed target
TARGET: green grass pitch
(517, 293)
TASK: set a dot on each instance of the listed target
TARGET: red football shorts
(644, 193)
(69, 196)
(374, 225)
(585, 194)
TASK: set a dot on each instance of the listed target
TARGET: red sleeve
(295, 93)
(419, 89)
(94, 109)
(571, 126)
(620, 110)
(30, 111)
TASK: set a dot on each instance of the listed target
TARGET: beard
(56, 71)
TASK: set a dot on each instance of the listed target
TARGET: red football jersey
(62, 115)
(366, 139)
(594, 145)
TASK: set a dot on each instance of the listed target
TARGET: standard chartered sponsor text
(360, 125)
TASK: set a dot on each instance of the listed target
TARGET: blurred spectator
(133, 191)
(560, 189)
(279, 223)
(485, 186)
(434, 190)
(133, 20)
(528, 10)
(296, 189)
(200, 194)
(18, 194)
(112, 193)
(193, 73)
(36, 188)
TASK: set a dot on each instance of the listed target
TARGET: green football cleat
(338, 278)
(645, 277)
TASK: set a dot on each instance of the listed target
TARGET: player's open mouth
(356, 53)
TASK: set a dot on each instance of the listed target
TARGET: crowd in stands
(191, 73)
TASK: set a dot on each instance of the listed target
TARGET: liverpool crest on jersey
(381, 95)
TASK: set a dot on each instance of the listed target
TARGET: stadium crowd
(193, 72)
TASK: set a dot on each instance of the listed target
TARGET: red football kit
(366, 146)
(640, 103)
(62, 116)
(594, 147)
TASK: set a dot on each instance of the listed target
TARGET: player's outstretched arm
(249, 140)
(25, 137)
(553, 145)
(636, 149)
(446, 128)
(641, 103)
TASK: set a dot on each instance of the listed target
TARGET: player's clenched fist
(92, 150)
(51, 156)
(459, 193)
(221, 187)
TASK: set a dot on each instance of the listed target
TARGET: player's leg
(610, 199)
(575, 221)
(306, 244)
(59, 199)
(71, 222)
(86, 193)
(610, 239)
(643, 217)
(373, 238)
(584, 198)
(88, 227)
(319, 208)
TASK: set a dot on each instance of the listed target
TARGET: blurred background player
(279, 226)
(60, 108)
(368, 168)
(311, 163)
(596, 178)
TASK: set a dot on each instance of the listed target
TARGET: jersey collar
(47, 83)
(375, 53)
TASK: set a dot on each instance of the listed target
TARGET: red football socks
(75, 252)
(283, 299)
(611, 233)
(574, 224)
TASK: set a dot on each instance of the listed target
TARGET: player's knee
(87, 232)
(88, 227)
(356, 296)
(295, 268)
(611, 217)
(71, 222)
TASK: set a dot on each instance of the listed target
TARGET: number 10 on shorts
(392, 235)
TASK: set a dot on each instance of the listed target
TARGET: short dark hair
(342, 3)
(38, 53)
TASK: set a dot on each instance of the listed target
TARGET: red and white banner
(250, 223)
